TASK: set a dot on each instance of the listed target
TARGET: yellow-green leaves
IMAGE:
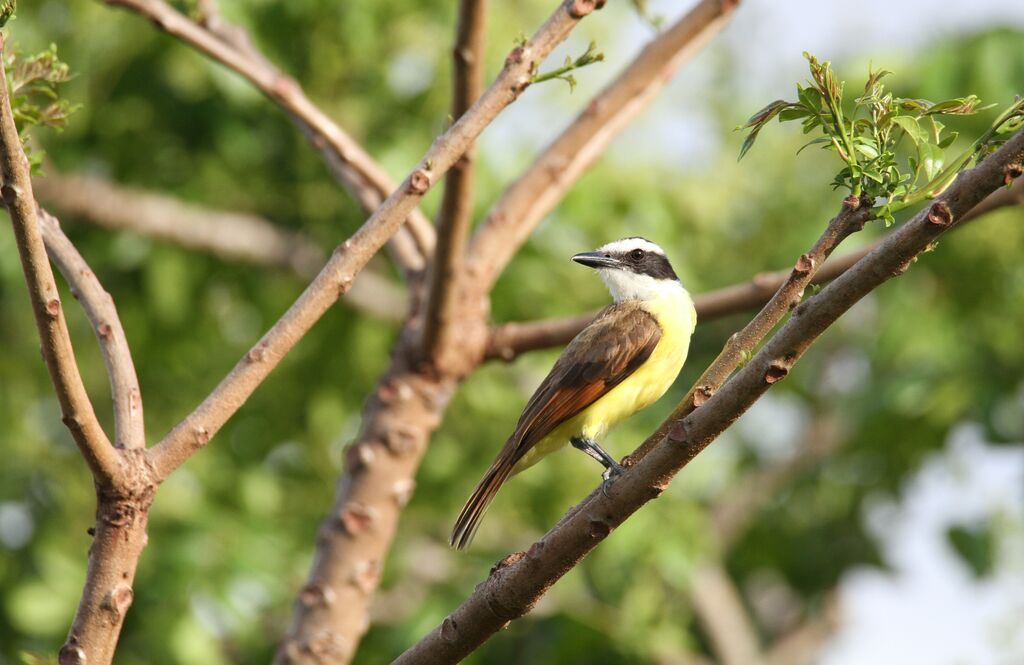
(34, 84)
(893, 148)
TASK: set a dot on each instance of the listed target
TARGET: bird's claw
(609, 475)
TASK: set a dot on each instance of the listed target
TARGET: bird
(620, 363)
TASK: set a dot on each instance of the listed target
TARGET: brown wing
(607, 351)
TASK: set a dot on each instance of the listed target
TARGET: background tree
(232, 530)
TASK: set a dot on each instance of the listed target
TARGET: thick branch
(518, 582)
(349, 258)
(118, 538)
(349, 163)
(508, 341)
(75, 406)
(525, 203)
(331, 611)
(230, 235)
(99, 307)
(457, 203)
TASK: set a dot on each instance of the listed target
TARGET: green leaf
(793, 113)
(932, 158)
(748, 142)
(865, 147)
(766, 114)
(913, 104)
(809, 97)
(757, 122)
(910, 125)
(960, 106)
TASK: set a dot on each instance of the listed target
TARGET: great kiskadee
(622, 362)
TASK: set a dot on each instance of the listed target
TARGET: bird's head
(632, 269)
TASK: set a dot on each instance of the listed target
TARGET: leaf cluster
(868, 132)
(34, 83)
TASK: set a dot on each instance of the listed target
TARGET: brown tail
(473, 511)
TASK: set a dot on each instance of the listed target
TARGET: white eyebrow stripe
(629, 244)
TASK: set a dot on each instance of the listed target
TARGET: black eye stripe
(652, 264)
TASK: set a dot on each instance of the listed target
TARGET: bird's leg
(612, 469)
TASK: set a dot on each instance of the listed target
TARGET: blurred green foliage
(231, 533)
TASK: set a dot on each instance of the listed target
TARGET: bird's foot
(611, 473)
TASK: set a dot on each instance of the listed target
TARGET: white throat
(628, 285)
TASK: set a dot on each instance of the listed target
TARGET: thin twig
(129, 431)
(525, 203)
(457, 203)
(75, 406)
(518, 582)
(209, 16)
(349, 163)
(229, 235)
(507, 341)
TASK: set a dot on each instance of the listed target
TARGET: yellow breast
(677, 318)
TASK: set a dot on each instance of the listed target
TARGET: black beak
(596, 260)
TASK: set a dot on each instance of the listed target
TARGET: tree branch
(720, 611)
(229, 235)
(507, 341)
(335, 279)
(525, 203)
(129, 431)
(518, 582)
(331, 611)
(76, 409)
(457, 203)
(349, 163)
(118, 539)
